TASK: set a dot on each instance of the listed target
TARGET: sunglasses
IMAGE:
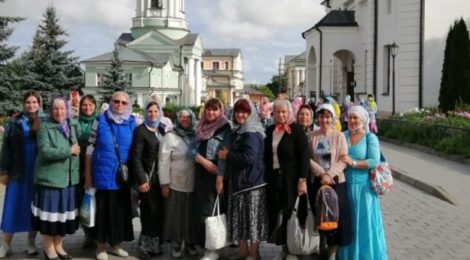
(120, 102)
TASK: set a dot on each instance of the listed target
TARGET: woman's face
(212, 113)
(354, 122)
(281, 114)
(152, 113)
(241, 117)
(31, 104)
(119, 104)
(185, 120)
(88, 107)
(325, 119)
(59, 111)
(304, 117)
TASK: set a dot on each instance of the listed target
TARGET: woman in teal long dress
(368, 237)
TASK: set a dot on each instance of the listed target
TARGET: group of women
(256, 170)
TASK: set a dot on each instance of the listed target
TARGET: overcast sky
(264, 30)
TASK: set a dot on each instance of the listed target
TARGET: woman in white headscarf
(368, 238)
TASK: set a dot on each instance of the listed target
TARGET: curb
(434, 190)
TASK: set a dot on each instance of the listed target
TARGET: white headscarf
(362, 113)
(330, 109)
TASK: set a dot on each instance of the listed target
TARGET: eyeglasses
(120, 102)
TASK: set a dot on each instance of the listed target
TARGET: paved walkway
(417, 225)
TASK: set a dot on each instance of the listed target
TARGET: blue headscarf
(147, 122)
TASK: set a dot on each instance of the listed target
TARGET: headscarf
(190, 132)
(149, 123)
(86, 121)
(252, 125)
(331, 100)
(362, 113)
(63, 126)
(265, 108)
(116, 117)
(204, 129)
(347, 100)
(290, 117)
(329, 108)
(309, 127)
(371, 103)
(296, 105)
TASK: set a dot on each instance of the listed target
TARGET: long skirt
(54, 211)
(151, 218)
(113, 216)
(178, 215)
(249, 216)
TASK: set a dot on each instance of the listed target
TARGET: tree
(277, 84)
(265, 90)
(10, 97)
(114, 79)
(49, 69)
(455, 81)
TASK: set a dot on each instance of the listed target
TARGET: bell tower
(165, 16)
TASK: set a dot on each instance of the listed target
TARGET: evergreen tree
(455, 81)
(114, 79)
(10, 96)
(49, 69)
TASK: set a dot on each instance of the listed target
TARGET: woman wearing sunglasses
(108, 146)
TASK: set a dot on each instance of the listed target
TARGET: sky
(265, 30)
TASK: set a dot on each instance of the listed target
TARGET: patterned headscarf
(63, 126)
(252, 124)
(205, 129)
(290, 117)
(362, 113)
(185, 132)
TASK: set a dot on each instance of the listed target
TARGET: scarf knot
(282, 127)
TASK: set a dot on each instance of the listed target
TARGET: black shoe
(66, 256)
(47, 257)
(144, 256)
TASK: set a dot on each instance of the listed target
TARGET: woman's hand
(144, 187)
(4, 179)
(222, 153)
(75, 150)
(165, 190)
(347, 160)
(219, 184)
(302, 187)
(209, 166)
(325, 179)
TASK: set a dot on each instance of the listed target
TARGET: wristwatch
(302, 180)
(354, 164)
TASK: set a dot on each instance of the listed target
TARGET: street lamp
(394, 51)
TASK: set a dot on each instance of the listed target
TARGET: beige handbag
(302, 240)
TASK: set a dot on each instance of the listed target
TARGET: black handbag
(122, 176)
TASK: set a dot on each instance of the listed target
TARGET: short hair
(242, 105)
(213, 103)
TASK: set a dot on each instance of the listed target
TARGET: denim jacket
(221, 138)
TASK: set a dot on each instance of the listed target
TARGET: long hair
(33, 117)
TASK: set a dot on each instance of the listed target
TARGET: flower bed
(449, 134)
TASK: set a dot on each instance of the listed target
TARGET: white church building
(350, 51)
(160, 56)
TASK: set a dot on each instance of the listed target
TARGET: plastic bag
(88, 208)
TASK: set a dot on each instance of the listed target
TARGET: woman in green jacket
(54, 209)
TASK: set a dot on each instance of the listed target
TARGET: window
(202, 65)
(389, 6)
(226, 65)
(156, 4)
(99, 79)
(129, 78)
(215, 65)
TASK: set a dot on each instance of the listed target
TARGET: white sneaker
(291, 257)
(210, 255)
(4, 249)
(102, 255)
(119, 252)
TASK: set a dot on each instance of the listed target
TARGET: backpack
(327, 209)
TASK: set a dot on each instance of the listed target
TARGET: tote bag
(302, 240)
(216, 228)
(381, 178)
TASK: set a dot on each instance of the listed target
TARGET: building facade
(223, 74)
(294, 71)
(348, 52)
(159, 56)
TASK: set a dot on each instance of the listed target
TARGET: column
(191, 80)
(198, 89)
(296, 81)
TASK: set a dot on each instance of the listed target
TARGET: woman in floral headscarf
(54, 210)
(213, 132)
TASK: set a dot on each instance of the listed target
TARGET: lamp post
(394, 51)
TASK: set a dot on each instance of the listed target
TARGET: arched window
(156, 4)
